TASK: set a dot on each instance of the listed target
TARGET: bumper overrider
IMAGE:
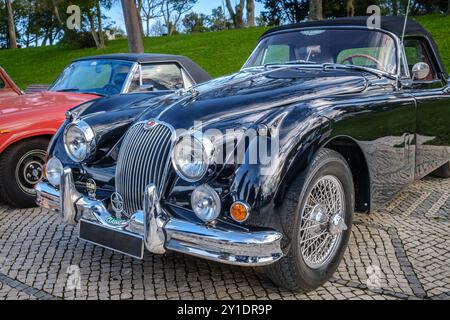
(155, 230)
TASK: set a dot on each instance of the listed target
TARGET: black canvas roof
(391, 24)
(191, 67)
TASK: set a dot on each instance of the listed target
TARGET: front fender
(264, 189)
(8, 139)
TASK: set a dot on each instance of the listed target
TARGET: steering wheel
(365, 56)
(111, 89)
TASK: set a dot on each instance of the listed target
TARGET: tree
(236, 13)
(172, 11)
(12, 40)
(194, 22)
(148, 9)
(94, 15)
(315, 10)
(130, 13)
(219, 20)
(251, 13)
(350, 8)
(284, 11)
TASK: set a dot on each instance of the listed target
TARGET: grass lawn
(219, 53)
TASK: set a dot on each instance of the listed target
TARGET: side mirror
(420, 70)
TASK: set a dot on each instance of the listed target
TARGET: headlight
(79, 141)
(206, 203)
(191, 156)
(53, 171)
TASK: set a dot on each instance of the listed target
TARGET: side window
(417, 51)
(2, 83)
(167, 76)
(162, 76)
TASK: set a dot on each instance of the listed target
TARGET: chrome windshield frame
(398, 46)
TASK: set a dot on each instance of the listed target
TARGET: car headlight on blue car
(79, 140)
(191, 156)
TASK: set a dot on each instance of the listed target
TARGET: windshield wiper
(378, 73)
(288, 63)
(81, 92)
(68, 90)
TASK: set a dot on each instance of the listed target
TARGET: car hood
(40, 101)
(249, 96)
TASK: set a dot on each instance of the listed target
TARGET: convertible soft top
(194, 69)
(391, 24)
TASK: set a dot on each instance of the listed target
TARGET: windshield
(365, 48)
(104, 77)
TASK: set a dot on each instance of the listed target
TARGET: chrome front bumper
(156, 230)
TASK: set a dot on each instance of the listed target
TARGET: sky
(202, 6)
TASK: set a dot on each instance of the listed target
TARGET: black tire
(15, 189)
(291, 271)
(443, 172)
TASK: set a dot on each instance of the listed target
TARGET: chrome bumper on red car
(155, 230)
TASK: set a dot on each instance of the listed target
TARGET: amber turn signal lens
(239, 211)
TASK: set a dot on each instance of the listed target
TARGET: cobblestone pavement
(399, 252)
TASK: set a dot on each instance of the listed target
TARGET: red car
(7, 86)
(28, 121)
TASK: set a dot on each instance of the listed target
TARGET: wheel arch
(356, 160)
(13, 142)
(352, 153)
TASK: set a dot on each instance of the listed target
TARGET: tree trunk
(56, 11)
(350, 8)
(237, 14)
(139, 10)
(101, 36)
(251, 13)
(395, 7)
(130, 13)
(11, 26)
(315, 10)
(93, 32)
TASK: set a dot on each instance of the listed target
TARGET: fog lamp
(205, 203)
(53, 171)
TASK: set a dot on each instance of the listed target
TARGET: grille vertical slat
(144, 158)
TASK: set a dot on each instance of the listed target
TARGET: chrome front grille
(144, 158)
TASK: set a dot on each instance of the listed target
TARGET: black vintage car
(267, 166)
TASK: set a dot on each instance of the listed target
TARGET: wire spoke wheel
(322, 222)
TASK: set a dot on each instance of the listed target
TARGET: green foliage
(77, 40)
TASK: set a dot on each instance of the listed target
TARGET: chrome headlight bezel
(89, 137)
(207, 158)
